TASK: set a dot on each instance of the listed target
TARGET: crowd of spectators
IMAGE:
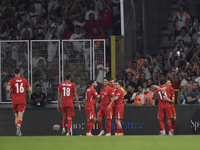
(37, 20)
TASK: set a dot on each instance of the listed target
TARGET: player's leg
(19, 123)
(173, 119)
(90, 124)
(108, 116)
(119, 112)
(64, 120)
(119, 126)
(16, 119)
(70, 114)
(168, 114)
(161, 121)
(100, 124)
(113, 110)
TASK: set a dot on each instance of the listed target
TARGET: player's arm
(157, 87)
(168, 99)
(58, 104)
(8, 88)
(112, 100)
(124, 92)
(76, 98)
(97, 101)
(29, 89)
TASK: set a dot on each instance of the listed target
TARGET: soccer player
(91, 95)
(165, 96)
(172, 109)
(106, 95)
(18, 86)
(68, 91)
(118, 107)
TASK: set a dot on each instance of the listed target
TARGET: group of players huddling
(111, 97)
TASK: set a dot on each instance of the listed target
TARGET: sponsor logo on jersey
(66, 84)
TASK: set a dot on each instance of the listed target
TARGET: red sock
(20, 122)
(108, 124)
(120, 130)
(169, 125)
(100, 125)
(92, 122)
(173, 124)
(64, 122)
(89, 124)
(116, 130)
(69, 125)
(162, 126)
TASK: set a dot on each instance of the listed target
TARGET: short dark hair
(105, 78)
(111, 79)
(117, 81)
(183, 28)
(162, 81)
(162, 74)
(91, 82)
(140, 85)
(17, 71)
(68, 76)
(37, 85)
(91, 14)
(195, 83)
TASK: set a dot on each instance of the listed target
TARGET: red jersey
(89, 26)
(67, 90)
(119, 101)
(106, 95)
(172, 95)
(161, 103)
(113, 88)
(18, 86)
(91, 94)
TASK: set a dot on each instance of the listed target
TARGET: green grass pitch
(183, 142)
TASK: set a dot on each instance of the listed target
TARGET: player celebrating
(91, 95)
(165, 96)
(18, 86)
(106, 95)
(68, 91)
(172, 109)
(118, 107)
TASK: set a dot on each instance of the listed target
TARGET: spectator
(189, 27)
(39, 5)
(101, 69)
(142, 78)
(180, 49)
(179, 20)
(36, 57)
(129, 80)
(35, 34)
(79, 23)
(52, 16)
(147, 69)
(51, 33)
(106, 19)
(33, 15)
(108, 49)
(185, 78)
(150, 94)
(145, 88)
(59, 26)
(192, 95)
(8, 72)
(96, 34)
(46, 86)
(139, 98)
(66, 32)
(93, 11)
(4, 29)
(55, 84)
(182, 97)
(81, 88)
(76, 11)
(127, 97)
(38, 99)
(7, 97)
(52, 49)
(133, 70)
(21, 12)
(150, 82)
(139, 60)
(89, 25)
(183, 36)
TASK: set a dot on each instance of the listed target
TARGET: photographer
(38, 99)
(193, 95)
